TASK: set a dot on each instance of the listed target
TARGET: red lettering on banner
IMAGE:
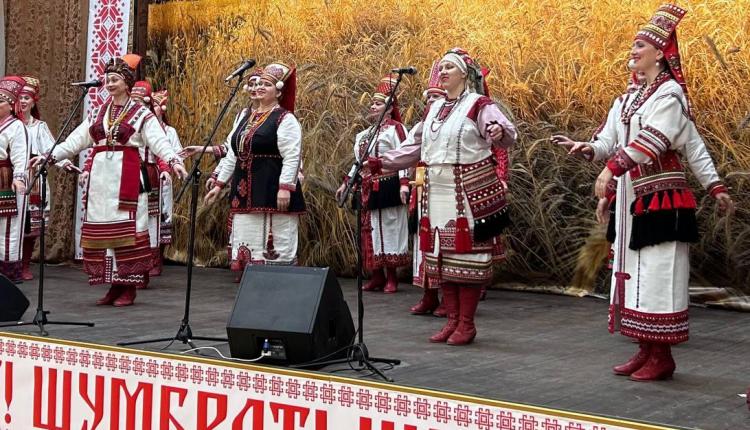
(52, 408)
(221, 410)
(257, 407)
(321, 420)
(97, 406)
(165, 414)
(147, 389)
(8, 382)
(288, 414)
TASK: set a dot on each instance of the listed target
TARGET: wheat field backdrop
(556, 67)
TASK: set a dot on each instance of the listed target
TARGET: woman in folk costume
(642, 140)
(463, 204)
(159, 102)
(151, 171)
(114, 235)
(14, 154)
(385, 228)
(429, 302)
(40, 142)
(263, 165)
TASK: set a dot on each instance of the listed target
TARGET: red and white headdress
(433, 84)
(160, 99)
(32, 88)
(10, 89)
(661, 32)
(383, 91)
(141, 91)
(253, 76)
(284, 78)
(475, 74)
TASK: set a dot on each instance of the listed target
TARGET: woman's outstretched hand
(579, 149)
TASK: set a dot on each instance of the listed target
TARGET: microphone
(405, 70)
(95, 83)
(240, 70)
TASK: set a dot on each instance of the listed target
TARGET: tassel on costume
(463, 235)
(375, 185)
(424, 234)
(654, 206)
(639, 209)
(666, 204)
(677, 200)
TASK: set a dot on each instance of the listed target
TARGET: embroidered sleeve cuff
(717, 188)
(611, 190)
(214, 175)
(220, 184)
(620, 163)
(288, 187)
(404, 181)
(218, 151)
(163, 167)
(376, 165)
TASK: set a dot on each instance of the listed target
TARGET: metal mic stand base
(184, 335)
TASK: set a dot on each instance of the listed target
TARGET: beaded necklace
(256, 120)
(113, 127)
(643, 94)
(435, 131)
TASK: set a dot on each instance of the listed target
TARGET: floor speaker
(13, 303)
(297, 314)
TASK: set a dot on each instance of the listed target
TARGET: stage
(537, 349)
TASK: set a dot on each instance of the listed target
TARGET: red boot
(127, 297)
(391, 285)
(427, 303)
(377, 282)
(114, 292)
(636, 362)
(28, 249)
(450, 302)
(660, 364)
(468, 299)
(158, 263)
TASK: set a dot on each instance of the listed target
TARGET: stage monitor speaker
(299, 311)
(13, 303)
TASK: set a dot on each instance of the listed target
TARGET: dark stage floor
(545, 350)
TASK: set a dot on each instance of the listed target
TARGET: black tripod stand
(358, 351)
(185, 332)
(40, 318)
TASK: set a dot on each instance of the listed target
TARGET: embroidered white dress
(385, 223)
(40, 141)
(14, 156)
(457, 150)
(115, 233)
(649, 295)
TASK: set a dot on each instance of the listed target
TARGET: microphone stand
(358, 351)
(40, 318)
(185, 332)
